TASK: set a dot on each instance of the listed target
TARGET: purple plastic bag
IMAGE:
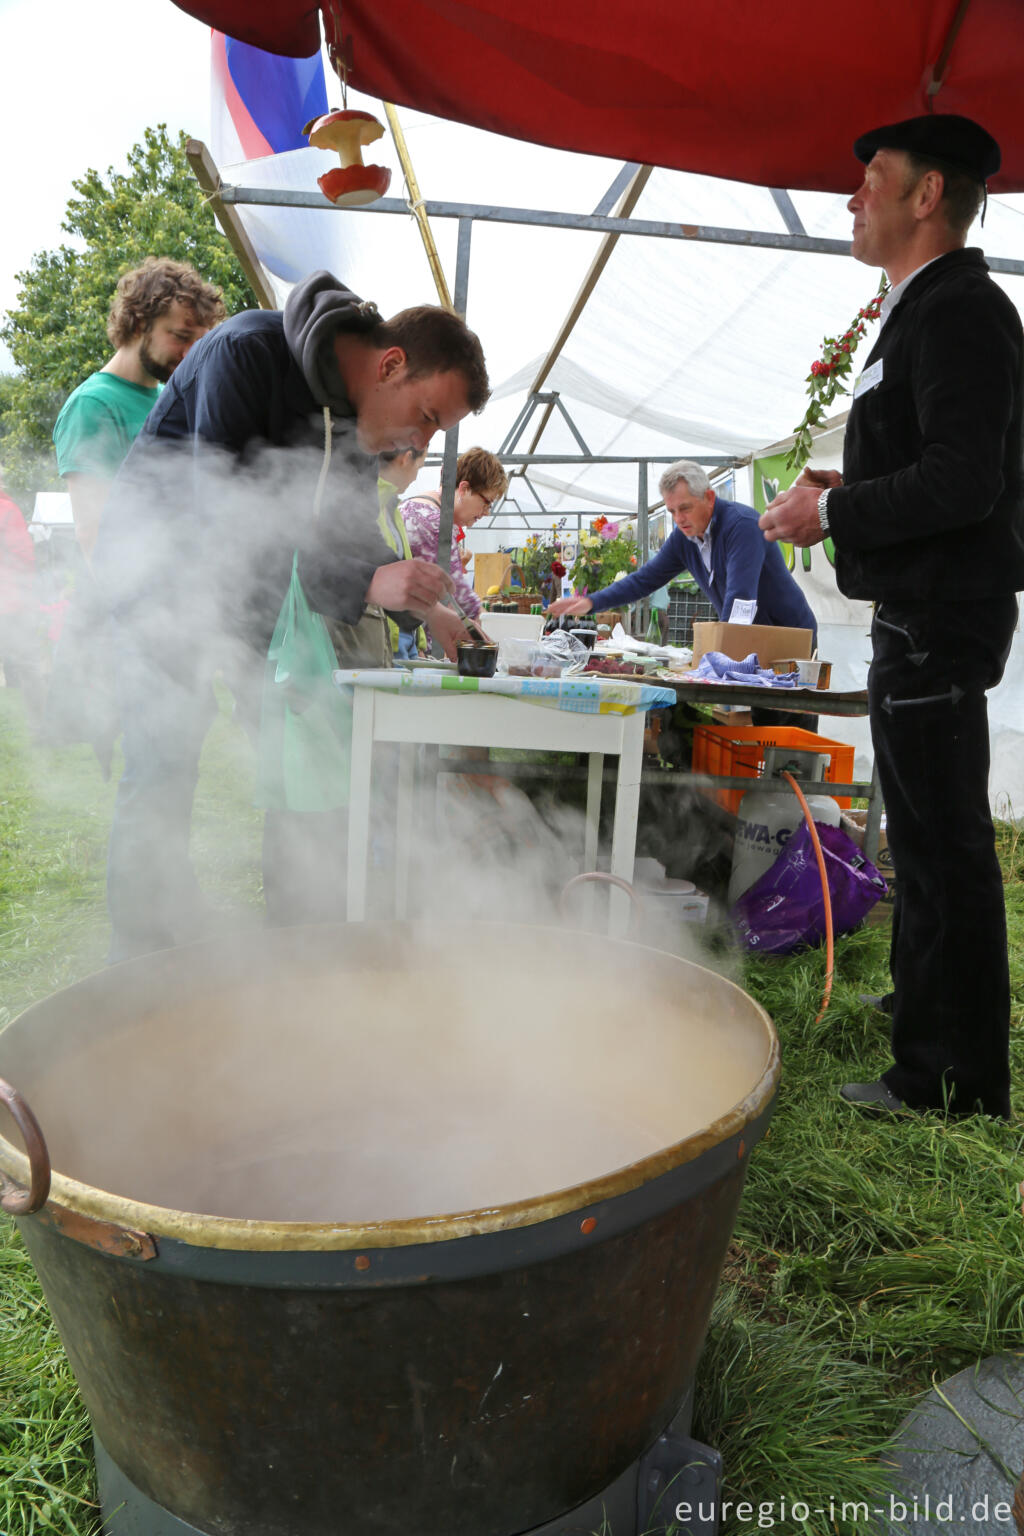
(783, 910)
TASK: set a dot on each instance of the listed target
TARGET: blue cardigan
(743, 565)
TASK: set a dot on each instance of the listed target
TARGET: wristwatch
(823, 509)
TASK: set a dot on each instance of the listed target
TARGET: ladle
(469, 621)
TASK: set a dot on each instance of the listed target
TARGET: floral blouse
(422, 518)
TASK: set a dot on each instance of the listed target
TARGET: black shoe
(876, 1097)
(882, 1004)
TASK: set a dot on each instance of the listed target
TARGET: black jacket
(932, 504)
(217, 493)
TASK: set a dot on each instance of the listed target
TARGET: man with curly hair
(159, 310)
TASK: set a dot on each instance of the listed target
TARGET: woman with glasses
(480, 482)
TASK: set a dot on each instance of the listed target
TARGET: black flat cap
(958, 142)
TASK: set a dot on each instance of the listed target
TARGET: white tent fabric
(684, 348)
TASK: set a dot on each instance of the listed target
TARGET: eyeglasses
(488, 501)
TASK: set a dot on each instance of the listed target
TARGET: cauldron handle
(26, 1201)
(599, 874)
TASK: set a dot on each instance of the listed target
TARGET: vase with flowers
(607, 552)
(540, 562)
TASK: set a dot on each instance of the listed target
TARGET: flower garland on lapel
(826, 377)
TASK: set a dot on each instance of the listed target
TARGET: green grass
(47, 1482)
(869, 1260)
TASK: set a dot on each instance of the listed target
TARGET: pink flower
(610, 531)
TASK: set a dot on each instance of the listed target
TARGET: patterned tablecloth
(582, 695)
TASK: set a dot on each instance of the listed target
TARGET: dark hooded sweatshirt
(218, 491)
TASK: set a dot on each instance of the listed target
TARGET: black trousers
(932, 663)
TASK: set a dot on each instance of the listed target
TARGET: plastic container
(810, 674)
(686, 606)
(528, 658)
(524, 626)
(738, 751)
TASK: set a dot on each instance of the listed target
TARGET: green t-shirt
(98, 424)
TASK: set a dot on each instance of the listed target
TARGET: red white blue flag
(261, 101)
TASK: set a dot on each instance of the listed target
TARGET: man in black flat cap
(928, 522)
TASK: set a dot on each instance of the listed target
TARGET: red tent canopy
(772, 93)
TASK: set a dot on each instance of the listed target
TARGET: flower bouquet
(605, 553)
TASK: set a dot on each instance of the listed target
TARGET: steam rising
(449, 1071)
(376, 1073)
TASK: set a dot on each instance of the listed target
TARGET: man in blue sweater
(721, 545)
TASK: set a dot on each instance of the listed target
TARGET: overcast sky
(69, 102)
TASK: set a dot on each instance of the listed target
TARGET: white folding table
(488, 720)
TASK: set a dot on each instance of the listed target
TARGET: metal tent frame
(612, 218)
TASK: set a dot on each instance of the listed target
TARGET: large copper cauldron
(349, 1232)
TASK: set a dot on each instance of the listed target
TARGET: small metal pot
(475, 660)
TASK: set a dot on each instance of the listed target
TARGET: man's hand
(824, 479)
(408, 586)
(793, 516)
(447, 628)
(569, 605)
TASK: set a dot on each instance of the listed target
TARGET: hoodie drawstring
(325, 466)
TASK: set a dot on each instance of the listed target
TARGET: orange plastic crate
(738, 751)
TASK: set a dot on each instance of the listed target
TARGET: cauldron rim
(234, 1233)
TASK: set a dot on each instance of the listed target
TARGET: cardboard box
(492, 570)
(853, 824)
(738, 640)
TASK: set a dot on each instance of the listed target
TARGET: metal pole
(416, 206)
(451, 441)
(644, 540)
(274, 197)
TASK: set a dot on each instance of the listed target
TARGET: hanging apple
(347, 132)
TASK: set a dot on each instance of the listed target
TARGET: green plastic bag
(306, 721)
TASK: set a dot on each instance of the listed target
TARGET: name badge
(869, 379)
(743, 610)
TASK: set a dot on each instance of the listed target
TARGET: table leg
(360, 776)
(593, 822)
(627, 805)
(592, 830)
(404, 825)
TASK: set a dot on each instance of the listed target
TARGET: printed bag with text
(784, 910)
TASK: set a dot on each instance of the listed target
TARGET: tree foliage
(57, 331)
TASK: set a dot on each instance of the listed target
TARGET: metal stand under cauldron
(642, 1502)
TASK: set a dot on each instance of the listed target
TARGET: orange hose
(826, 898)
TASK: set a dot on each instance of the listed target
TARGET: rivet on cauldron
(588, 1224)
(362, 1262)
(740, 1149)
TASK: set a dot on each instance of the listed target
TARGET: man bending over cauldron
(272, 415)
